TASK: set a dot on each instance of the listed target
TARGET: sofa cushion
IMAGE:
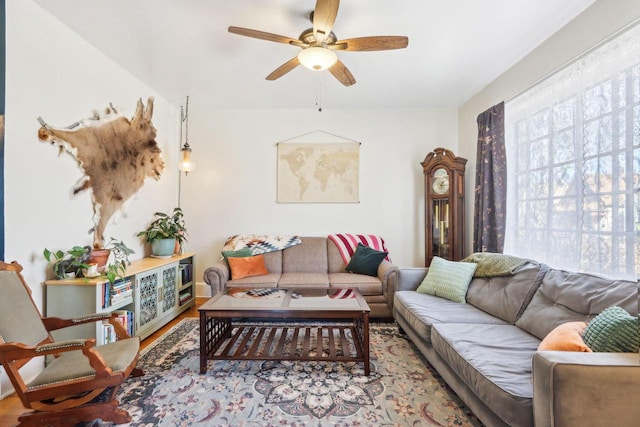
(367, 285)
(365, 260)
(422, 311)
(613, 331)
(571, 297)
(296, 280)
(506, 297)
(566, 337)
(308, 257)
(267, 281)
(494, 361)
(448, 279)
(247, 266)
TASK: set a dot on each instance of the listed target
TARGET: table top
(302, 299)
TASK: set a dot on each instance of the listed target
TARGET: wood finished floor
(11, 407)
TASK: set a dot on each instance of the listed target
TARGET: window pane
(565, 215)
(563, 147)
(539, 184)
(597, 100)
(564, 183)
(539, 125)
(539, 155)
(563, 114)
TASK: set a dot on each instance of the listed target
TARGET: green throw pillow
(365, 260)
(240, 253)
(613, 331)
(448, 279)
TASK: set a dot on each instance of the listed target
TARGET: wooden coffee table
(300, 324)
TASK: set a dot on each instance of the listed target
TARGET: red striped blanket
(347, 244)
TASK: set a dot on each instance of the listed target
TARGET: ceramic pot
(99, 257)
(163, 247)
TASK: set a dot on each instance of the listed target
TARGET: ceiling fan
(319, 43)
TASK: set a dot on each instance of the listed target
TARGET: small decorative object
(164, 232)
(444, 205)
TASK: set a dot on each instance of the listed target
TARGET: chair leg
(107, 411)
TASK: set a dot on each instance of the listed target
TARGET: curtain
(491, 182)
(573, 142)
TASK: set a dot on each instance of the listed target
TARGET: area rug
(402, 390)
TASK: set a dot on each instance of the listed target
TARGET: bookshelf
(152, 292)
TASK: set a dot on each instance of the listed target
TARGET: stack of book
(121, 291)
(125, 318)
(185, 274)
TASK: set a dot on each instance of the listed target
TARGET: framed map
(318, 172)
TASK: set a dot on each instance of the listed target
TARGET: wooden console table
(152, 292)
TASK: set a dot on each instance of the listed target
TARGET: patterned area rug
(402, 389)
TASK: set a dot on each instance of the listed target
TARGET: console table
(152, 292)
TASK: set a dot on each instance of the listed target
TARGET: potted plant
(70, 263)
(164, 231)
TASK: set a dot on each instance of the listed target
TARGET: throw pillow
(247, 266)
(365, 260)
(240, 253)
(566, 337)
(448, 279)
(614, 331)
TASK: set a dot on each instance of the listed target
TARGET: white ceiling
(182, 47)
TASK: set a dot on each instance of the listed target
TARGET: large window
(573, 150)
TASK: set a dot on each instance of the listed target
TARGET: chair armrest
(19, 351)
(586, 389)
(54, 323)
(217, 276)
(409, 278)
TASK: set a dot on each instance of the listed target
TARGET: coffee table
(296, 324)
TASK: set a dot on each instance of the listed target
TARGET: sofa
(314, 262)
(487, 348)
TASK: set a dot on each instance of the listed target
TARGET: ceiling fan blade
(262, 35)
(284, 69)
(324, 16)
(373, 43)
(342, 73)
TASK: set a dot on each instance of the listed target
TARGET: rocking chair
(81, 381)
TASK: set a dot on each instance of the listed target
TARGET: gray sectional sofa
(315, 262)
(486, 349)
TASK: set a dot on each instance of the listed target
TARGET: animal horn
(138, 114)
(148, 112)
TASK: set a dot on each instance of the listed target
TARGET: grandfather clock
(444, 205)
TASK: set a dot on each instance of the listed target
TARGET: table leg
(365, 344)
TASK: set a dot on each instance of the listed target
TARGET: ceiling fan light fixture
(317, 58)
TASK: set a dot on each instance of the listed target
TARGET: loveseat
(486, 348)
(314, 262)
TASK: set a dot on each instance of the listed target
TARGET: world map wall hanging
(318, 172)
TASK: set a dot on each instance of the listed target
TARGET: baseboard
(203, 290)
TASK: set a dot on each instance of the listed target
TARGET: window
(573, 153)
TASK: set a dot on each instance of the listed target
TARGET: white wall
(233, 189)
(596, 23)
(54, 74)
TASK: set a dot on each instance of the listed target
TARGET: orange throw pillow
(247, 266)
(566, 337)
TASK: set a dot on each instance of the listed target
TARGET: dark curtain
(491, 182)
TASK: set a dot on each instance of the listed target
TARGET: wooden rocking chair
(81, 381)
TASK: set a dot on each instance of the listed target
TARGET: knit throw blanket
(347, 244)
(494, 265)
(260, 244)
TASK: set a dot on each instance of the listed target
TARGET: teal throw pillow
(240, 253)
(613, 331)
(448, 279)
(365, 260)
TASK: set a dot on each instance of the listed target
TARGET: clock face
(440, 183)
